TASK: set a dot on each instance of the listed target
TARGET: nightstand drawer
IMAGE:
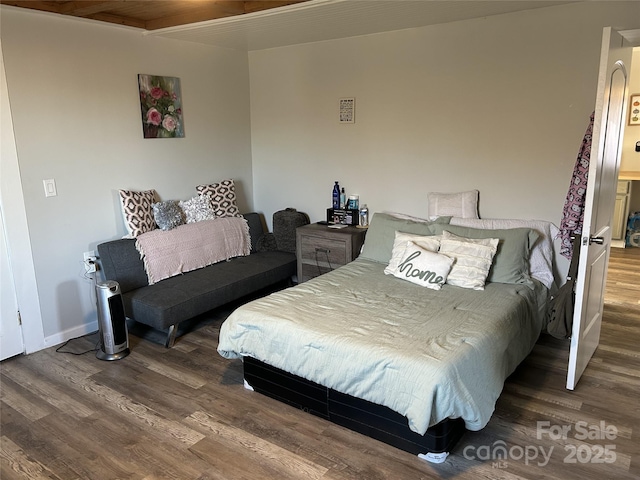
(323, 250)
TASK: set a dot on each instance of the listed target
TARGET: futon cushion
(182, 297)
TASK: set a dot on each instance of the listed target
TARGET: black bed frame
(362, 416)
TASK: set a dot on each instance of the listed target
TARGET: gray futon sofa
(165, 304)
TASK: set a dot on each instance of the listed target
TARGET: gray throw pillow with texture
(168, 214)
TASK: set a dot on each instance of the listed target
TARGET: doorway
(628, 193)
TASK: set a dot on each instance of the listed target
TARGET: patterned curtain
(573, 211)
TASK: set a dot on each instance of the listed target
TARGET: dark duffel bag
(283, 237)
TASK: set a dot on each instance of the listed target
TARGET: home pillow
(511, 263)
(431, 243)
(473, 258)
(223, 198)
(381, 233)
(168, 214)
(197, 209)
(423, 267)
(462, 204)
(137, 211)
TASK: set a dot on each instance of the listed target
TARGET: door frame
(579, 358)
(17, 228)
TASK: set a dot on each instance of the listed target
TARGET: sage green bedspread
(427, 354)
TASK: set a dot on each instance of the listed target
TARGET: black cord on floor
(95, 349)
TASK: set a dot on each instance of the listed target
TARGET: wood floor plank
(38, 383)
(279, 460)
(17, 465)
(22, 400)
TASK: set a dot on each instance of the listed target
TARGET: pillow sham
(197, 209)
(541, 257)
(462, 204)
(431, 243)
(168, 214)
(423, 267)
(223, 198)
(137, 211)
(511, 263)
(473, 258)
(378, 243)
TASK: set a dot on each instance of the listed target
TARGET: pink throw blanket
(192, 246)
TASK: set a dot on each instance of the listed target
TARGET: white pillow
(462, 204)
(423, 267)
(473, 258)
(431, 243)
(198, 208)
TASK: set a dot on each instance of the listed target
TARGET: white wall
(74, 96)
(499, 104)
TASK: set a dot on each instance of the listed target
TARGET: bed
(411, 366)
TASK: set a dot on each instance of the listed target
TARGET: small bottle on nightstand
(364, 216)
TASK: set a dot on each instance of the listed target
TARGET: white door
(600, 198)
(10, 330)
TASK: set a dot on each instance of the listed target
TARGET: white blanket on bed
(191, 246)
(427, 354)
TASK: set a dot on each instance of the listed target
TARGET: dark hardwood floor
(183, 413)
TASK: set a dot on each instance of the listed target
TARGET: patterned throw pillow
(198, 208)
(223, 198)
(168, 214)
(473, 259)
(138, 211)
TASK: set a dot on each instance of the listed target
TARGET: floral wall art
(161, 105)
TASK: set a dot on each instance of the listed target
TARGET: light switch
(50, 188)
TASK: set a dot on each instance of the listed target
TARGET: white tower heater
(114, 338)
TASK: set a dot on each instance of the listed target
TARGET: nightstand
(320, 249)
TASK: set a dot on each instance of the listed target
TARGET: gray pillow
(511, 262)
(168, 214)
(378, 243)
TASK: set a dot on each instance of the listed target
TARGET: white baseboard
(75, 332)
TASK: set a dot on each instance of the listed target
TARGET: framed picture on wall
(634, 109)
(347, 110)
(161, 106)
